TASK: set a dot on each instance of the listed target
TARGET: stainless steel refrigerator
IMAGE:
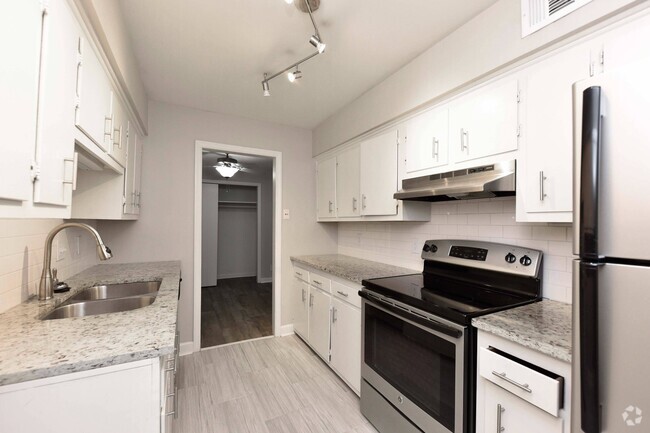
(611, 289)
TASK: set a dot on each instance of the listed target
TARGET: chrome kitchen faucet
(45, 288)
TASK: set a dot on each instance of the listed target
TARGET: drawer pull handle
(503, 376)
(316, 282)
(500, 410)
(299, 274)
(342, 293)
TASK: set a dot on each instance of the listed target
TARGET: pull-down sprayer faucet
(45, 289)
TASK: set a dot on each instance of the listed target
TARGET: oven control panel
(486, 255)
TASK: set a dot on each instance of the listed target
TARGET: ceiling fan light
(316, 42)
(227, 167)
(288, 1)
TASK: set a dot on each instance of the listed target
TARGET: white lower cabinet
(346, 342)
(328, 319)
(319, 322)
(519, 389)
(121, 398)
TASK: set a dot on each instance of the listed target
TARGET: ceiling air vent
(536, 14)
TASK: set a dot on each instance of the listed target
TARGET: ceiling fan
(225, 165)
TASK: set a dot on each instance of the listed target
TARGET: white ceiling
(211, 54)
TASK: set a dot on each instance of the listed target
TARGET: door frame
(258, 187)
(199, 145)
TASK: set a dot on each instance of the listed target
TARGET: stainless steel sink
(91, 308)
(111, 291)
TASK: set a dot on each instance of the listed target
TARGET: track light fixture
(295, 75)
(265, 87)
(314, 40)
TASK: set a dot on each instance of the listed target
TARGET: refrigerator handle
(589, 386)
(589, 171)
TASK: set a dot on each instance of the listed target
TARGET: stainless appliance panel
(411, 409)
(623, 348)
(381, 414)
(620, 174)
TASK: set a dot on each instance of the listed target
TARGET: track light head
(316, 42)
(265, 87)
(294, 75)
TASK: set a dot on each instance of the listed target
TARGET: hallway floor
(236, 309)
(271, 385)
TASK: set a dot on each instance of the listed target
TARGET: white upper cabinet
(118, 139)
(548, 132)
(427, 140)
(20, 40)
(348, 188)
(624, 45)
(485, 121)
(133, 174)
(56, 106)
(326, 188)
(94, 115)
(379, 174)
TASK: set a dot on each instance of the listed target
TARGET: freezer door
(612, 155)
(620, 372)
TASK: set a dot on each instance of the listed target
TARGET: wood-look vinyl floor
(236, 309)
(271, 385)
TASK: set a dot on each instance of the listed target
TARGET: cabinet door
(319, 322)
(625, 45)
(514, 414)
(302, 314)
(485, 122)
(548, 100)
(427, 140)
(20, 41)
(379, 174)
(347, 183)
(56, 106)
(346, 342)
(131, 175)
(326, 188)
(94, 110)
(118, 139)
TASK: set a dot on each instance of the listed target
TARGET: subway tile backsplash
(493, 220)
(21, 256)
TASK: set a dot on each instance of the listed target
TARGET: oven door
(415, 361)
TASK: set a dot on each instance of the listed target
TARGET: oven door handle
(411, 315)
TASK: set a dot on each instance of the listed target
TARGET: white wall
(21, 256)
(237, 254)
(489, 42)
(165, 229)
(490, 220)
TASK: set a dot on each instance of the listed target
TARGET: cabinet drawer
(320, 282)
(535, 385)
(301, 274)
(346, 293)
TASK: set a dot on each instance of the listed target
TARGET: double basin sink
(107, 298)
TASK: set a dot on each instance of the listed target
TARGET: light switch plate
(60, 251)
(285, 214)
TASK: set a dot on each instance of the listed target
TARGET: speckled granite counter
(543, 326)
(351, 268)
(31, 348)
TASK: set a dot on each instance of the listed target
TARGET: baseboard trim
(284, 330)
(266, 280)
(239, 275)
(186, 348)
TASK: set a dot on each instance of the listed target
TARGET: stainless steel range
(419, 348)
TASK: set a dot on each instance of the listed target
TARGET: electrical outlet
(415, 248)
(60, 251)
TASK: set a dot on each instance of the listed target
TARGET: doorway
(235, 296)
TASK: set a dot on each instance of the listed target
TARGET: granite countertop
(31, 348)
(543, 326)
(352, 268)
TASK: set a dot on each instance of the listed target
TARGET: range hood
(494, 180)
